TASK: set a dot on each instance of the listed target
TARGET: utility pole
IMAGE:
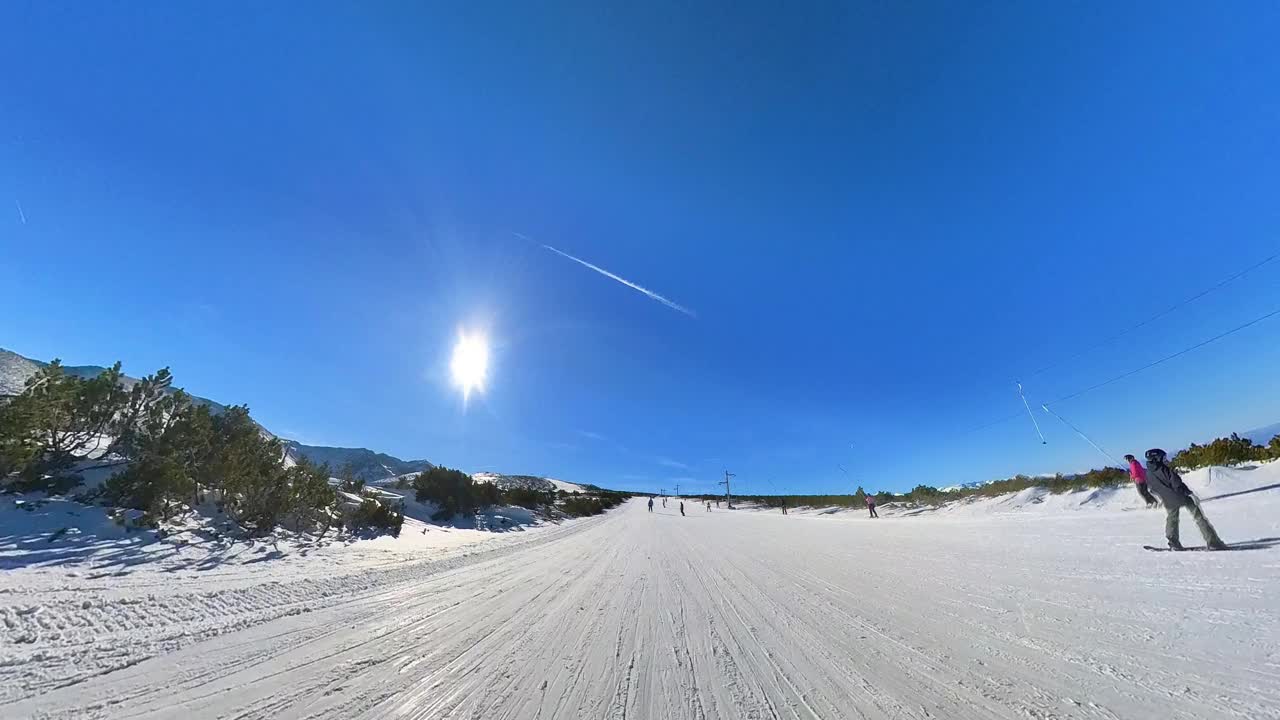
(677, 489)
(728, 499)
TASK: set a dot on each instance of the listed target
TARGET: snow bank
(1208, 483)
(83, 594)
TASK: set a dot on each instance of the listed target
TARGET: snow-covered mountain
(14, 371)
(569, 487)
(372, 467)
(541, 484)
(966, 486)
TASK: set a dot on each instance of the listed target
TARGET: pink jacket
(1137, 472)
(871, 499)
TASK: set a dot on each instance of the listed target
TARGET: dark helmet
(1130, 458)
(1155, 455)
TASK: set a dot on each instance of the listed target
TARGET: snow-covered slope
(14, 371)
(966, 486)
(1211, 482)
(405, 479)
(567, 486)
(715, 615)
(505, 482)
(540, 484)
(82, 595)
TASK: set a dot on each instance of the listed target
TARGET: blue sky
(881, 214)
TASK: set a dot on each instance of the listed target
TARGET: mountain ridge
(1262, 435)
(367, 464)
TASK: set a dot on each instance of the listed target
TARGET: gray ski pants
(1172, 513)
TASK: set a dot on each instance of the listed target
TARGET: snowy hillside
(541, 484)
(567, 486)
(966, 486)
(14, 371)
(1208, 483)
(372, 467)
(504, 482)
(83, 594)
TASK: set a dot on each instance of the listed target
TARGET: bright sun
(470, 362)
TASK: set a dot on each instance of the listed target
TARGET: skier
(871, 506)
(1175, 495)
(664, 501)
(708, 506)
(1139, 475)
(650, 504)
(681, 508)
(784, 507)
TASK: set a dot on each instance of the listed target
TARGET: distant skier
(681, 508)
(871, 506)
(708, 506)
(1175, 495)
(1139, 475)
(784, 507)
(650, 504)
(664, 501)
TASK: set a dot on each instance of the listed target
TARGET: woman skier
(1139, 475)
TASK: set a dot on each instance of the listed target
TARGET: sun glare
(470, 363)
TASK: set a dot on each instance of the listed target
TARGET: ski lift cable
(847, 478)
(1030, 414)
(1153, 318)
(1167, 358)
(1221, 283)
(1130, 373)
(1087, 439)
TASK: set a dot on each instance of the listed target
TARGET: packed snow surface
(1025, 606)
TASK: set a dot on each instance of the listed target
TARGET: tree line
(169, 454)
(456, 493)
(1222, 451)
(1227, 451)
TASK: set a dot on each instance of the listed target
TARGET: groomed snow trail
(751, 615)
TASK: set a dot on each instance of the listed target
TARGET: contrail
(21, 215)
(628, 283)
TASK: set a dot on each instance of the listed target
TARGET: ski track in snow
(721, 615)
